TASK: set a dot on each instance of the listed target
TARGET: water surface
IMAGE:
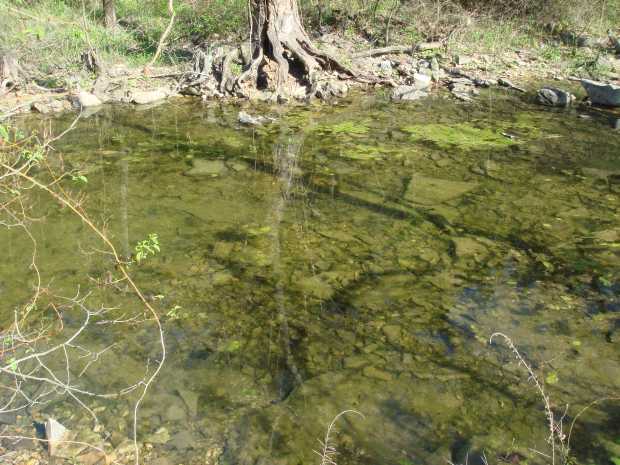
(353, 256)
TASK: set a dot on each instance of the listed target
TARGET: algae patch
(346, 127)
(460, 135)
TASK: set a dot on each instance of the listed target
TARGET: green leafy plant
(147, 248)
(79, 179)
(34, 156)
(174, 312)
(4, 133)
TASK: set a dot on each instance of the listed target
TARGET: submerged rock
(183, 440)
(554, 97)
(191, 400)
(408, 94)
(601, 93)
(376, 373)
(393, 333)
(206, 168)
(429, 191)
(161, 436)
(93, 457)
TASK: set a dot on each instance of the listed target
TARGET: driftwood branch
(398, 49)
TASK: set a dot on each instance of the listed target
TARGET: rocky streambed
(352, 256)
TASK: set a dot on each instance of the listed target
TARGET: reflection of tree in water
(285, 158)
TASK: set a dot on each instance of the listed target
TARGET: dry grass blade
(328, 450)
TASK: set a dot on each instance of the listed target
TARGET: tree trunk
(282, 54)
(109, 14)
(10, 70)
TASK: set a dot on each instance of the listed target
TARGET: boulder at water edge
(554, 97)
(601, 93)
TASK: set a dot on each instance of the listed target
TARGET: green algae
(458, 136)
(346, 127)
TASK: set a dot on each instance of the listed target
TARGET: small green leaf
(552, 378)
(233, 346)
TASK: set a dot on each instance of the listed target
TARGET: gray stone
(51, 106)
(55, 433)
(148, 96)
(462, 60)
(422, 81)
(206, 168)
(85, 100)
(506, 83)
(385, 66)
(424, 64)
(554, 97)
(601, 93)
(435, 70)
(407, 93)
(462, 88)
(335, 88)
(100, 87)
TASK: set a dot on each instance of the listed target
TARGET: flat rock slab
(408, 94)
(149, 96)
(206, 168)
(430, 191)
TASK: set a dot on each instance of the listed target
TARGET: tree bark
(282, 54)
(109, 14)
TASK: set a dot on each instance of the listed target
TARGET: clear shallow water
(355, 256)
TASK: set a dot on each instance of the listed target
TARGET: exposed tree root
(281, 62)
